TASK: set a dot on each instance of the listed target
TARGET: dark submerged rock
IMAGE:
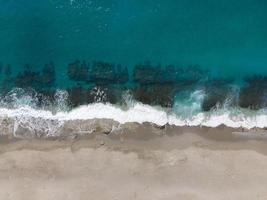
(146, 74)
(28, 78)
(48, 76)
(78, 71)
(104, 73)
(217, 92)
(254, 94)
(158, 94)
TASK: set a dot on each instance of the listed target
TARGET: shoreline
(134, 135)
(143, 162)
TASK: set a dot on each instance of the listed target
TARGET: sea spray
(26, 121)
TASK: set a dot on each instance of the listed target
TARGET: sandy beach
(151, 163)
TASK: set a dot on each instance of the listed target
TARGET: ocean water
(181, 62)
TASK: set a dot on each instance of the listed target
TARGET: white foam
(141, 113)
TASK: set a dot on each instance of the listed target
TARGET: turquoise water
(228, 38)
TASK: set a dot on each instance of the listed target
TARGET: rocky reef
(254, 94)
(40, 81)
(218, 93)
(99, 73)
(100, 81)
(156, 74)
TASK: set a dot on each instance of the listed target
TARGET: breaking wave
(23, 118)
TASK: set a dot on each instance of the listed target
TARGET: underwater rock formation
(104, 73)
(122, 74)
(99, 73)
(28, 78)
(254, 94)
(78, 71)
(79, 96)
(8, 82)
(149, 84)
(48, 76)
(82, 96)
(149, 74)
(38, 80)
(158, 94)
(157, 85)
(218, 91)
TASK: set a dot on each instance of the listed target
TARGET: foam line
(141, 113)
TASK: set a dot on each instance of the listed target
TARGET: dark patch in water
(100, 73)
(82, 96)
(101, 81)
(40, 81)
(217, 92)
(254, 94)
(157, 94)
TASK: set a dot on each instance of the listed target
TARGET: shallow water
(221, 40)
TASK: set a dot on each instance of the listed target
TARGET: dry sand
(150, 163)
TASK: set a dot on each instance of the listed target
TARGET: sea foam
(139, 113)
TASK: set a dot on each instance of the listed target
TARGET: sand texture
(181, 164)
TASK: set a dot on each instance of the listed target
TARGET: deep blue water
(224, 36)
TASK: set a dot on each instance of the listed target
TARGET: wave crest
(26, 121)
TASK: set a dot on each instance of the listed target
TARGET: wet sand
(144, 162)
